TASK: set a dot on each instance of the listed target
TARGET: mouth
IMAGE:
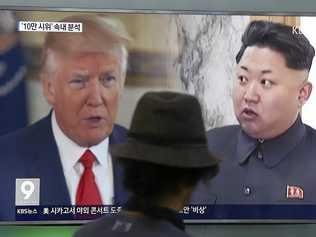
(248, 114)
(94, 121)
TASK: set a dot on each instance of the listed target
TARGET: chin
(91, 140)
(252, 132)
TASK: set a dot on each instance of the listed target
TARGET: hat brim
(181, 155)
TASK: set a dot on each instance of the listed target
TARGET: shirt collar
(273, 150)
(71, 151)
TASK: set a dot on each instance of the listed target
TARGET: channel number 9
(27, 189)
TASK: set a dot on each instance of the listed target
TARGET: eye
(78, 82)
(242, 80)
(266, 83)
(108, 80)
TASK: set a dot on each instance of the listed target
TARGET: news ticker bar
(190, 212)
(35, 213)
(46, 26)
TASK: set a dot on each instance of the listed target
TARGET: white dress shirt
(70, 153)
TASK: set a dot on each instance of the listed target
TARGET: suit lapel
(47, 166)
(120, 193)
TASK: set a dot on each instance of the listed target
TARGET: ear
(48, 89)
(305, 93)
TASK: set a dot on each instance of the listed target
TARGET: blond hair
(99, 34)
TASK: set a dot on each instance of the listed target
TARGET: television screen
(189, 53)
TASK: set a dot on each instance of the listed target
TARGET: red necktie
(88, 192)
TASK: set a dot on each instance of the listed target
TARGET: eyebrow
(81, 73)
(108, 72)
(262, 72)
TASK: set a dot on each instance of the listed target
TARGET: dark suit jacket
(277, 171)
(32, 153)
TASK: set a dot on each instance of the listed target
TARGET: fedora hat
(167, 129)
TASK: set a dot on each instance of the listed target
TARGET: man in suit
(269, 158)
(83, 76)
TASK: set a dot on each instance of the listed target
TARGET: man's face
(84, 93)
(268, 95)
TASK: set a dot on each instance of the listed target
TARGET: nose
(95, 94)
(251, 94)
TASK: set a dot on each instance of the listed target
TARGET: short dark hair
(296, 49)
(152, 182)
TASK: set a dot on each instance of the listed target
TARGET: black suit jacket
(280, 170)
